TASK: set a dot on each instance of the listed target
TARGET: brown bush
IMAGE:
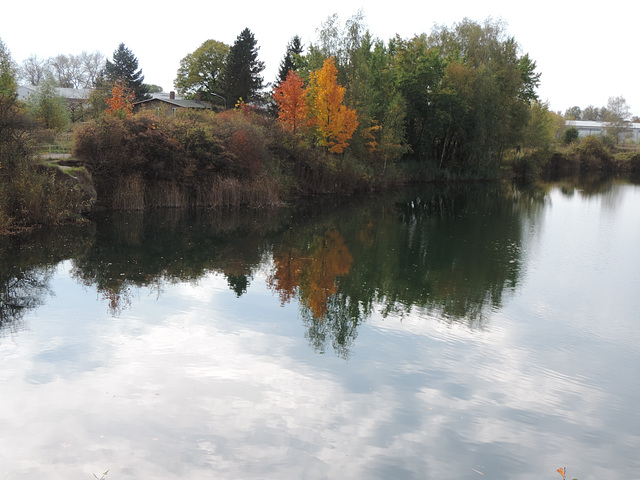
(39, 196)
(592, 154)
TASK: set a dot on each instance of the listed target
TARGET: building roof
(177, 101)
(593, 125)
(25, 91)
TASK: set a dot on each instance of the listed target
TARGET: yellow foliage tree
(333, 121)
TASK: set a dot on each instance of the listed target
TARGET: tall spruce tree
(291, 59)
(242, 79)
(124, 67)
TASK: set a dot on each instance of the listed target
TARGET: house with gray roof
(168, 103)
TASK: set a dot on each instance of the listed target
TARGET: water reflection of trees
(587, 185)
(27, 263)
(150, 249)
(310, 269)
(449, 253)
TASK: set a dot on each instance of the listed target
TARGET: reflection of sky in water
(196, 383)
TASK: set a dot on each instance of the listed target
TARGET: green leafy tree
(124, 67)
(291, 60)
(419, 71)
(98, 99)
(8, 71)
(540, 131)
(15, 141)
(617, 118)
(573, 113)
(570, 135)
(48, 108)
(468, 93)
(530, 80)
(594, 114)
(341, 43)
(201, 72)
(242, 79)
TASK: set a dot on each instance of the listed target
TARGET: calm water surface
(488, 332)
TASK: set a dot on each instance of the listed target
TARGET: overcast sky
(585, 52)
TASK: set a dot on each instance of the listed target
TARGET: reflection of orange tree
(118, 299)
(312, 274)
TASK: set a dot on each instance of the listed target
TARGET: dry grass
(128, 194)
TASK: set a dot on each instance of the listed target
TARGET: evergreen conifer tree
(124, 67)
(242, 79)
(291, 59)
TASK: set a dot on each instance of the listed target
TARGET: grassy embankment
(594, 154)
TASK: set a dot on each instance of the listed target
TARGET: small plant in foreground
(563, 471)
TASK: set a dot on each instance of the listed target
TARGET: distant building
(168, 103)
(77, 98)
(585, 128)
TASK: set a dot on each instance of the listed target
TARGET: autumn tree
(201, 72)
(242, 79)
(120, 103)
(334, 122)
(291, 99)
(365, 67)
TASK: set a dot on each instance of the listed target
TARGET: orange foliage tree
(291, 98)
(288, 267)
(328, 259)
(312, 273)
(120, 104)
(334, 122)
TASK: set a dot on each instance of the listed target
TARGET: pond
(451, 333)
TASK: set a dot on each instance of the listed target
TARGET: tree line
(348, 112)
(617, 110)
(458, 98)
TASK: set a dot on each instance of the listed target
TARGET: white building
(585, 128)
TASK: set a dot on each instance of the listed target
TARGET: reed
(128, 193)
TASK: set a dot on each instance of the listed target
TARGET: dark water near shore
(457, 333)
